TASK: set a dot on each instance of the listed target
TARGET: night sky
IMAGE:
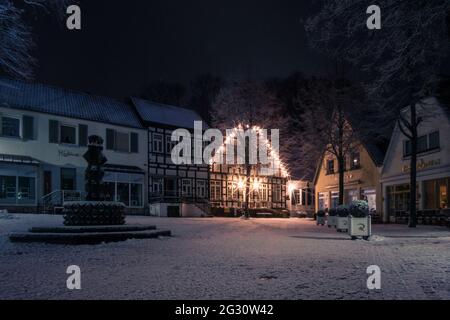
(125, 45)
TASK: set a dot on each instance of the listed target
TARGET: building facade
(43, 135)
(300, 198)
(361, 179)
(173, 190)
(433, 165)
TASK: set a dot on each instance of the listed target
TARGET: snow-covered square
(226, 258)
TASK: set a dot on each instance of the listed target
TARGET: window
(123, 193)
(68, 134)
(355, 161)
(434, 142)
(186, 187)
(216, 190)
(424, 143)
(330, 166)
(68, 179)
(26, 191)
(7, 189)
(323, 200)
(407, 148)
(276, 193)
(334, 199)
(122, 142)
(170, 144)
(158, 143)
(157, 186)
(201, 189)
(10, 127)
(136, 195)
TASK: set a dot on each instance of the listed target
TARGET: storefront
(18, 181)
(433, 168)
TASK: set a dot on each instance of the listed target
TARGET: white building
(43, 136)
(433, 164)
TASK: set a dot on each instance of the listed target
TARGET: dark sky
(124, 45)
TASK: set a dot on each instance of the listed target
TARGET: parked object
(321, 217)
(342, 218)
(359, 220)
(332, 218)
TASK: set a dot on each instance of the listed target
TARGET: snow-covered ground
(230, 259)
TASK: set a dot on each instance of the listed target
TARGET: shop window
(110, 191)
(26, 190)
(330, 166)
(323, 200)
(68, 134)
(10, 127)
(334, 199)
(136, 195)
(123, 193)
(443, 193)
(7, 189)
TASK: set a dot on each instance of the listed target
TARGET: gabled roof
(177, 117)
(376, 151)
(52, 100)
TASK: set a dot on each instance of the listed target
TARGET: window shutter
(28, 128)
(82, 135)
(110, 137)
(53, 131)
(134, 143)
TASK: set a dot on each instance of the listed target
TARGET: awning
(123, 168)
(14, 159)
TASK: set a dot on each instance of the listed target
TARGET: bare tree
(16, 35)
(336, 118)
(249, 104)
(403, 59)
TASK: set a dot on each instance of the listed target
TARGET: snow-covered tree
(16, 35)
(402, 59)
(250, 104)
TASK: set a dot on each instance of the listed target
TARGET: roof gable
(153, 112)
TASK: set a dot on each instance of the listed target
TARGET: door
(47, 182)
(68, 179)
(170, 185)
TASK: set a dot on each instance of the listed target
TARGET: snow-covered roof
(153, 112)
(53, 100)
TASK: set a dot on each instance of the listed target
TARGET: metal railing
(56, 199)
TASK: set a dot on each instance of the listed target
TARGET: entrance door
(170, 185)
(47, 182)
(68, 179)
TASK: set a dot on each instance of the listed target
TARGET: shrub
(332, 212)
(321, 213)
(359, 209)
(342, 211)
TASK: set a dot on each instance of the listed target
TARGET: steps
(87, 235)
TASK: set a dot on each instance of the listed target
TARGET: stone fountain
(92, 221)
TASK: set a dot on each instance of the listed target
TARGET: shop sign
(422, 165)
(67, 154)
